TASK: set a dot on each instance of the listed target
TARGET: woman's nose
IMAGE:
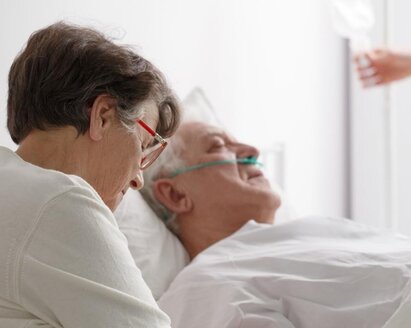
(138, 182)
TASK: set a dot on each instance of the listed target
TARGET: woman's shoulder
(27, 191)
(21, 180)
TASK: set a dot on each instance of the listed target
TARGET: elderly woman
(83, 111)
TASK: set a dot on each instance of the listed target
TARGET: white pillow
(157, 252)
(197, 107)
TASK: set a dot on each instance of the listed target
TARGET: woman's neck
(59, 150)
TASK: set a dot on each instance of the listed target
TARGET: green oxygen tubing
(251, 160)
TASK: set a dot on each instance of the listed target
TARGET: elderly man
(247, 272)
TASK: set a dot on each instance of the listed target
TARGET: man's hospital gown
(311, 273)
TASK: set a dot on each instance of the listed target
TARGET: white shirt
(63, 260)
(306, 273)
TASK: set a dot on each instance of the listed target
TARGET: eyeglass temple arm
(145, 126)
(153, 133)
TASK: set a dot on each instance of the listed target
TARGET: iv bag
(353, 20)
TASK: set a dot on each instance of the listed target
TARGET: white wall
(400, 37)
(381, 134)
(273, 69)
(369, 143)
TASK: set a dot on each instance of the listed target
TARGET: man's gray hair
(169, 161)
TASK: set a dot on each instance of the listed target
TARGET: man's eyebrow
(222, 134)
(215, 134)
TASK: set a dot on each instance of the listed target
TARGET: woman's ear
(102, 116)
(175, 200)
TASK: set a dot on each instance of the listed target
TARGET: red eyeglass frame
(153, 152)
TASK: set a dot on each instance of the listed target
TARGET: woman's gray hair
(169, 161)
(92, 65)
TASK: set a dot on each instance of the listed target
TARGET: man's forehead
(200, 132)
(216, 132)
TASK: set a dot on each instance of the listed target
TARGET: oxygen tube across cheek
(251, 160)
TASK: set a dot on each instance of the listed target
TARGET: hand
(382, 66)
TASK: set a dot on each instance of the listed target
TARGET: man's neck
(198, 234)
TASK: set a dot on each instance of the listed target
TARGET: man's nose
(138, 182)
(245, 150)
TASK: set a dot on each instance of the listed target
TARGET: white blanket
(312, 272)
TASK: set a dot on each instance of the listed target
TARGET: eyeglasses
(152, 153)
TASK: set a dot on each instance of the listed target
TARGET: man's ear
(175, 200)
(102, 116)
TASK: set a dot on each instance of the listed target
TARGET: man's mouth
(255, 174)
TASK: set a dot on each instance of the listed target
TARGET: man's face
(236, 191)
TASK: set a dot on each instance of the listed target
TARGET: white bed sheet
(402, 317)
(311, 272)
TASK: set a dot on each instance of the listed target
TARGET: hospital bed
(161, 257)
(162, 260)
